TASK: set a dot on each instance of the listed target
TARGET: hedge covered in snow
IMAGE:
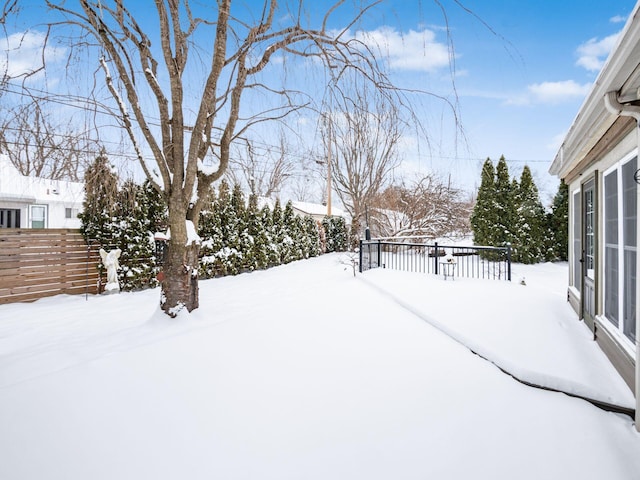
(236, 235)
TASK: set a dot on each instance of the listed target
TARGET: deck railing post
(379, 254)
(360, 257)
(435, 265)
(508, 261)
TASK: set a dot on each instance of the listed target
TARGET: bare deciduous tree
(38, 147)
(145, 70)
(263, 170)
(423, 207)
(363, 131)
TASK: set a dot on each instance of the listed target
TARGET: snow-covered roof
(16, 187)
(317, 209)
(305, 208)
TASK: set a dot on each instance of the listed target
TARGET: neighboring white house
(598, 160)
(317, 211)
(32, 202)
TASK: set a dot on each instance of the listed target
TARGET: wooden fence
(37, 263)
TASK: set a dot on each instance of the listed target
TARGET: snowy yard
(305, 372)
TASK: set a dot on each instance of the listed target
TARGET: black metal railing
(448, 260)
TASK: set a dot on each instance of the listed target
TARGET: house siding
(618, 349)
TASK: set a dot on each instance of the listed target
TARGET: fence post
(360, 257)
(508, 261)
(435, 258)
(379, 254)
(86, 286)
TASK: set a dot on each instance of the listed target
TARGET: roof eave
(593, 119)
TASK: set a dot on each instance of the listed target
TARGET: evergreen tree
(529, 232)
(258, 238)
(289, 251)
(210, 231)
(224, 255)
(134, 237)
(228, 207)
(277, 235)
(327, 224)
(336, 237)
(340, 234)
(312, 237)
(558, 225)
(155, 206)
(101, 191)
(484, 215)
(299, 238)
(241, 242)
(504, 204)
(272, 251)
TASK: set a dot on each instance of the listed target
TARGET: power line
(76, 102)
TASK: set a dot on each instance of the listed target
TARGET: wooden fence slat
(37, 263)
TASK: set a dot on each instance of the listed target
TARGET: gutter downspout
(614, 106)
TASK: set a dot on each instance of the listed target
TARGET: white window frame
(45, 210)
(618, 331)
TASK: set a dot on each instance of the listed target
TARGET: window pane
(589, 229)
(577, 247)
(629, 187)
(611, 269)
(630, 295)
(611, 209)
(630, 215)
(9, 218)
(611, 284)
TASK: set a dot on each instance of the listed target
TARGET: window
(68, 212)
(38, 216)
(611, 305)
(620, 244)
(577, 242)
(9, 218)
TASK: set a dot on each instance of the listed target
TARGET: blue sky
(519, 88)
(521, 74)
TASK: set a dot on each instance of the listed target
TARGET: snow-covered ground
(305, 372)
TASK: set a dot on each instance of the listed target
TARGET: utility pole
(329, 171)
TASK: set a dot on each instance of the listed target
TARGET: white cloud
(545, 93)
(557, 92)
(414, 50)
(593, 53)
(618, 19)
(22, 53)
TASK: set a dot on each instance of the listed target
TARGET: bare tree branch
(38, 147)
(266, 172)
(365, 130)
(425, 206)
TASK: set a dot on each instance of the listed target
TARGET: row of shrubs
(236, 235)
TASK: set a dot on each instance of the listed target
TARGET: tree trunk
(180, 282)
(180, 272)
